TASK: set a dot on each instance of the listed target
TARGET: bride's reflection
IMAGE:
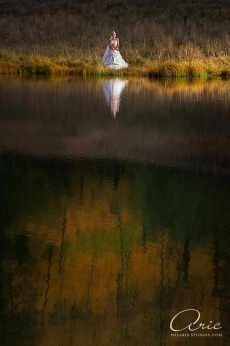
(113, 89)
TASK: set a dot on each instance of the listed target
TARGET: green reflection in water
(106, 252)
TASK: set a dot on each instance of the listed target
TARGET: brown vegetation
(165, 38)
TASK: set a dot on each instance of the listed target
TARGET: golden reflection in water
(109, 298)
(92, 280)
(91, 276)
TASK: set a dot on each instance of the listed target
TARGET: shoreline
(41, 65)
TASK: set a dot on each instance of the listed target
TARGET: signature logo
(195, 324)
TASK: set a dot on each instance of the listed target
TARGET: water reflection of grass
(145, 202)
(161, 122)
(106, 246)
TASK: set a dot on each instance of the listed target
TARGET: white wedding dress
(112, 58)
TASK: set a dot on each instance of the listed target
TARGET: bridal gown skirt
(113, 59)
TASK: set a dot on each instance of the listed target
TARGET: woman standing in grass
(112, 57)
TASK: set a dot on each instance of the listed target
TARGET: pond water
(114, 212)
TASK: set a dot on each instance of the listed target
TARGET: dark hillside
(183, 10)
(186, 9)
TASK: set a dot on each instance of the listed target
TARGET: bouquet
(113, 47)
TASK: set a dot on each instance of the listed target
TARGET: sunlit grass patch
(38, 65)
(8, 67)
(86, 66)
(192, 68)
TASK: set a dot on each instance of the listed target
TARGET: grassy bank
(160, 38)
(27, 65)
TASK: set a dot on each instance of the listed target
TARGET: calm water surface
(114, 211)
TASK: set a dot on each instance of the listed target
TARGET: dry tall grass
(193, 38)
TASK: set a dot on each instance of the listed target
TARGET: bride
(112, 57)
